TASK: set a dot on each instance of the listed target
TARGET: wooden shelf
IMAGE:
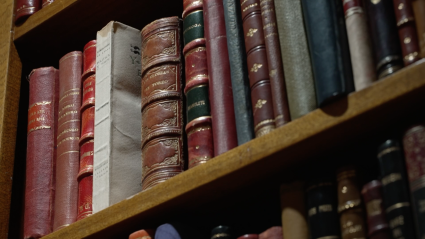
(363, 112)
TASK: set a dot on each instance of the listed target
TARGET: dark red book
(25, 8)
(85, 180)
(272, 233)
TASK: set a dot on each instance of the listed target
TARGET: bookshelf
(314, 142)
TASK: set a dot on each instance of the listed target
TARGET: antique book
(350, 206)
(162, 101)
(89, 60)
(326, 34)
(25, 8)
(199, 124)
(46, 3)
(239, 72)
(274, 60)
(419, 11)
(294, 215)
(142, 234)
(220, 87)
(295, 57)
(116, 172)
(222, 232)
(41, 152)
(85, 180)
(377, 223)
(272, 233)
(395, 190)
(383, 28)
(322, 212)
(67, 166)
(259, 79)
(414, 151)
(360, 43)
(248, 236)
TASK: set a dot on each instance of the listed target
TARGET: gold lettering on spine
(86, 154)
(312, 211)
(69, 94)
(68, 130)
(325, 208)
(373, 207)
(191, 27)
(250, 6)
(251, 32)
(68, 113)
(391, 178)
(196, 104)
(67, 139)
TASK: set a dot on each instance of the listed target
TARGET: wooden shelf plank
(295, 143)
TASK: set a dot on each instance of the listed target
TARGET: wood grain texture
(10, 74)
(296, 143)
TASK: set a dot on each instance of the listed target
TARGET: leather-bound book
(85, 180)
(248, 236)
(272, 233)
(162, 101)
(383, 28)
(274, 60)
(68, 155)
(327, 38)
(419, 11)
(364, 73)
(350, 206)
(395, 190)
(87, 124)
(239, 72)
(295, 57)
(322, 211)
(294, 215)
(45, 3)
(222, 232)
(117, 115)
(41, 152)
(259, 79)
(89, 60)
(220, 87)
(25, 8)
(88, 92)
(199, 127)
(377, 223)
(142, 234)
(414, 150)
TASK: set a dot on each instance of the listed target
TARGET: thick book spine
(419, 11)
(350, 206)
(41, 152)
(70, 69)
(259, 79)
(162, 101)
(414, 150)
(326, 34)
(377, 223)
(25, 8)
(322, 210)
(117, 115)
(273, 233)
(383, 28)
(274, 60)
(395, 190)
(239, 73)
(295, 57)
(85, 180)
(142, 234)
(45, 3)
(220, 87)
(199, 126)
(294, 216)
(361, 52)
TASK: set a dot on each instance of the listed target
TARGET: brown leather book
(67, 167)
(46, 3)
(258, 70)
(41, 152)
(25, 8)
(271, 233)
(274, 60)
(162, 101)
(294, 214)
(419, 11)
(142, 234)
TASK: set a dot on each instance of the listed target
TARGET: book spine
(41, 152)
(383, 28)
(414, 150)
(395, 190)
(294, 216)
(239, 73)
(85, 180)
(142, 234)
(66, 201)
(326, 34)
(419, 11)
(220, 87)
(259, 79)
(87, 124)
(360, 44)
(295, 57)
(89, 60)
(45, 3)
(274, 60)
(162, 101)
(25, 8)
(199, 126)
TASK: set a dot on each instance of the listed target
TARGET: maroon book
(25, 8)
(272, 233)
(41, 152)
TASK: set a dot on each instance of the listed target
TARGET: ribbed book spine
(419, 11)
(199, 127)
(25, 8)
(294, 215)
(162, 101)
(41, 152)
(259, 79)
(295, 57)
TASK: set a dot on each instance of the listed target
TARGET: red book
(142, 234)
(85, 180)
(41, 152)
(272, 233)
(25, 8)
(89, 61)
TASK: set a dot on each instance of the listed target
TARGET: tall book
(419, 11)
(68, 160)
(295, 57)
(41, 152)
(294, 215)
(220, 87)
(162, 101)
(116, 169)
(25, 8)
(395, 190)
(414, 151)
(326, 34)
